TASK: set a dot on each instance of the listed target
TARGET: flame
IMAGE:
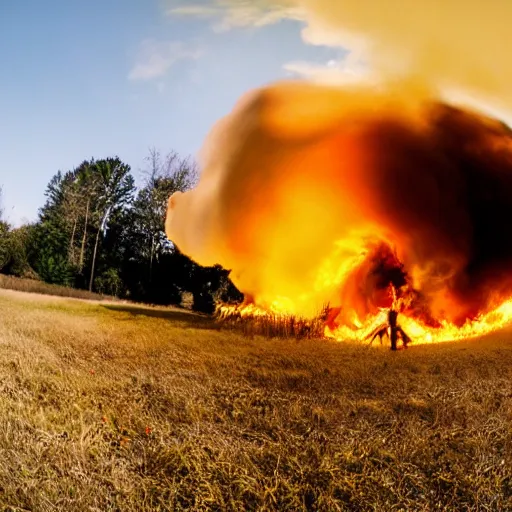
(358, 331)
(423, 334)
(362, 199)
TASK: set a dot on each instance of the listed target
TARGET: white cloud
(350, 69)
(317, 33)
(229, 14)
(155, 58)
(201, 11)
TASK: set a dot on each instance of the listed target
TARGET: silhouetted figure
(392, 330)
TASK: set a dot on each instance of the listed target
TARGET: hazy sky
(101, 78)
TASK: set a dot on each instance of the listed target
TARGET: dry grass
(271, 325)
(117, 407)
(42, 288)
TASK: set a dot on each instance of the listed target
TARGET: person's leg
(394, 337)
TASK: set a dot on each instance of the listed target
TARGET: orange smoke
(315, 195)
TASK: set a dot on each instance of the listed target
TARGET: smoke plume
(313, 194)
(460, 43)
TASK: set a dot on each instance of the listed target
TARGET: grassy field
(40, 287)
(108, 406)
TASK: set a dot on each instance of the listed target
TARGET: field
(109, 406)
(42, 288)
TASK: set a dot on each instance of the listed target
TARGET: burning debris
(315, 195)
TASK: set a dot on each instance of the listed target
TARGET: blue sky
(104, 78)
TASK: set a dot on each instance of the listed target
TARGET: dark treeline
(100, 233)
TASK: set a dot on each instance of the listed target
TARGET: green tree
(76, 216)
(49, 252)
(19, 240)
(5, 252)
(76, 199)
(92, 233)
(113, 191)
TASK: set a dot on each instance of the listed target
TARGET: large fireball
(315, 195)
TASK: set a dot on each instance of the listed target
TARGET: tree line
(98, 232)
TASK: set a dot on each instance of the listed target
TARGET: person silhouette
(392, 330)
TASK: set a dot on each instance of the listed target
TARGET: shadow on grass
(194, 320)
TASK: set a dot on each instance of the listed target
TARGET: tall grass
(271, 325)
(34, 286)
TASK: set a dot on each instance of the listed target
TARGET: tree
(49, 252)
(80, 203)
(76, 215)
(19, 240)
(91, 233)
(4, 244)
(163, 178)
(113, 190)
(150, 262)
(4, 230)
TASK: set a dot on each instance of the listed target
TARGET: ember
(315, 195)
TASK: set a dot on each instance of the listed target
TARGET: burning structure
(315, 195)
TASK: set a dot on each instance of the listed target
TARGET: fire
(423, 334)
(314, 195)
(358, 331)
